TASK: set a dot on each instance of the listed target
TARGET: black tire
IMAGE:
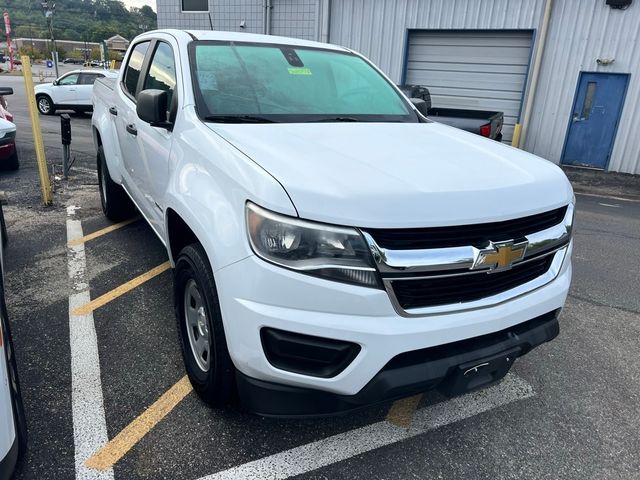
(12, 162)
(14, 382)
(116, 204)
(45, 105)
(216, 385)
(3, 228)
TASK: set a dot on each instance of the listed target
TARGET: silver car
(13, 428)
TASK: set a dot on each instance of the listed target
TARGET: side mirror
(4, 91)
(420, 105)
(55, 82)
(152, 108)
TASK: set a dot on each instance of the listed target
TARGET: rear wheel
(203, 341)
(45, 105)
(116, 204)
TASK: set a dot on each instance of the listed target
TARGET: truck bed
(469, 120)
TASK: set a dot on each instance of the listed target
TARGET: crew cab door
(84, 90)
(65, 92)
(154, 143)
(123, 112)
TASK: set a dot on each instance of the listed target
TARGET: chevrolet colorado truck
(331, 247)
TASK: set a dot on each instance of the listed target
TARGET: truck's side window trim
(125, 84)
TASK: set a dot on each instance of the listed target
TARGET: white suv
(71, 91)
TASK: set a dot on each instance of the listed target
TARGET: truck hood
(390, 175)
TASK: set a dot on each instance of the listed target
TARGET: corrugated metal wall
(378, 28)
(291, 18)
(580, 32)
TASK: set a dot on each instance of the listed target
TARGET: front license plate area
(478, 373)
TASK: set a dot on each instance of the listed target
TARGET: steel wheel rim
(43, 103)
(197, 325)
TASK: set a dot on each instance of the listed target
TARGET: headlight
(326, 251)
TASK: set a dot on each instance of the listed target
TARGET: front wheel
(203, 341)
(116, 204)
(45, 105)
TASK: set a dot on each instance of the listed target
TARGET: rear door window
(88, 78)
(133, 68)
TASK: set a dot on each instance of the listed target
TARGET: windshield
(280, 83)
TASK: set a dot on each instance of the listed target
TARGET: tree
(91, 20)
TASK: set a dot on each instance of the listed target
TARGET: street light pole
(49, 10)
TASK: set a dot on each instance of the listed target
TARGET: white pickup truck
(331, 246)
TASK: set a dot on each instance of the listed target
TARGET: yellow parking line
(121, 290)
(99, 233)
(113, 451)
(402, 411)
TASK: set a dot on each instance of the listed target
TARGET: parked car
(73, 61)
(481, 122)
(8, 152)
(13, 427)
(71, 91)
(4, 105)
(332, 247)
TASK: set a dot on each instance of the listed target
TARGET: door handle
(131, 128)
(113, 111)
(577, 118)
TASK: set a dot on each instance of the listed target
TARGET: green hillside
(87, 20)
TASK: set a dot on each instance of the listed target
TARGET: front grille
(430, 292)
(462, 235)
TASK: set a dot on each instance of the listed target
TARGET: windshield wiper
(336, 119)
(238, 119)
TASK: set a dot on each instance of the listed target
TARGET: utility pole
(49, 10)
(7, 26)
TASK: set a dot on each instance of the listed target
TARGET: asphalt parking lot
(112, 371)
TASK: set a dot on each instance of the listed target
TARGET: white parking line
(89, 424)
(322, 453)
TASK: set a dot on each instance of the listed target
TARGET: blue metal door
(594, 120)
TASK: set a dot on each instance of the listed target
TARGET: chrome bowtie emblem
(499, 255)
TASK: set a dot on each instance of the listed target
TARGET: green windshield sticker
(299, 71)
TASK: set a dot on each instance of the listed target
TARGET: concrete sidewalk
(597, 182)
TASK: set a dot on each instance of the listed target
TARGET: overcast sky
(140, 3)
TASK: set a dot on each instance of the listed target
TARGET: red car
(8, 152)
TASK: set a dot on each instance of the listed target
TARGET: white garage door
(472, 69)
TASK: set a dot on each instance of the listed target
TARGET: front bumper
(255, 294)
(406, 374)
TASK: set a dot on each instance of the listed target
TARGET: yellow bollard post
(45, 185)
(113, 65)
(515, 141)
